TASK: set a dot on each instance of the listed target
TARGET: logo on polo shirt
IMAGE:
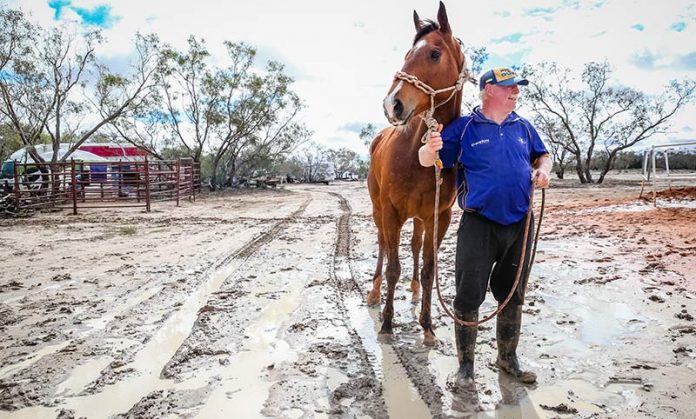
(522, 141)
(480, 142)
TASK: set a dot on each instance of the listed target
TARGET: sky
(343, 55)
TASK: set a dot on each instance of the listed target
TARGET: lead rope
(520, 266)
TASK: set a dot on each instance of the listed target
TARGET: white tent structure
(46, 152)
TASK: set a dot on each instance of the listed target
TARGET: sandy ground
(253, 306)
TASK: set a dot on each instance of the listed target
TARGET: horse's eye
(435, 54)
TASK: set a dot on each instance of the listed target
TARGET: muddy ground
(252, 305)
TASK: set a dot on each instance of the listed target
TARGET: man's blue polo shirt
(496, 163)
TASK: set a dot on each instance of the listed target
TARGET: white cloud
(344, 54)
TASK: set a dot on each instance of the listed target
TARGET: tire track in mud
(413, 362)
(222, 300)
(374, 406)
(203, 342)
(220, 336)
(120, 370)
(265, 238)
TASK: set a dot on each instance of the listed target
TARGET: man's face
(503, 97)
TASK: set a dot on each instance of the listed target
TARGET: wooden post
(73, 185)
(147, 185)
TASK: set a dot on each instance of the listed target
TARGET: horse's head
(435, 60)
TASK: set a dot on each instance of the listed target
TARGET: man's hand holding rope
(428, 153)
(541, 174)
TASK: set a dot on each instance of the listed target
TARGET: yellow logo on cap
(502, 74)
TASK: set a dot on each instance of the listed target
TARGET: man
(500, 157)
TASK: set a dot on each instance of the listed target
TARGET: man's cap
(501, 76)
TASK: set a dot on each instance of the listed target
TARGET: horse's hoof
(385, 330)
(430, 339)
(373, 300)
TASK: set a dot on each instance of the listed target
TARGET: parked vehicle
(325, 173)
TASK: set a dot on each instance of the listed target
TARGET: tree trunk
(213, 174)
(232, 171)
(607, 167)
(579, 169)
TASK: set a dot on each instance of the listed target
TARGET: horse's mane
(429, 26)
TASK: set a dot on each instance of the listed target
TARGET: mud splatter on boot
(465, 338)
(508, 327)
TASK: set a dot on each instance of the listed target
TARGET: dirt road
(253, 305)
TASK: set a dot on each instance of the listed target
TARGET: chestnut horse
(400, 188)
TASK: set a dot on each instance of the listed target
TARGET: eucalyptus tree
(52, 82)
(191, 93)
(259, 112)
(556, 139)
(313, 157)
(271, 149)
(552, 95)
(593, 113)
(344, 160)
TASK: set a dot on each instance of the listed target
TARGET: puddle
(101, 322)
(40, 290)
(401, 397)
(121, 396)
(241, 391)
(583, 396)
(38, 412)
(82, 375)
(34, 358)
(600, 322)
(643, 206)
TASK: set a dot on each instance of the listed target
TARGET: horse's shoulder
(379, 138)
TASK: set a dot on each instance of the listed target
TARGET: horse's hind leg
(416, 244)
(373, 297)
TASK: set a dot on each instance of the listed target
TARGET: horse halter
(430, 121)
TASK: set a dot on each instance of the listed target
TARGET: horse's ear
(417, 21)
(442, 19)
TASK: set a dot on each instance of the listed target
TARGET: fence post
(178, 181)
(194, 182)
(147, 185)
(73, 185)
(16, 182)
(119, 178)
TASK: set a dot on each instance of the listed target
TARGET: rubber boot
(508, 335)
(465, 338)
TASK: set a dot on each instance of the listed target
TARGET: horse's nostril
(398, 108)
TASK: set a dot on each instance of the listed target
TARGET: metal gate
(81, 184)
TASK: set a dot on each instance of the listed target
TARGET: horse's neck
(449, 111)
(443, 115)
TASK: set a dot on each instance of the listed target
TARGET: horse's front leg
(427, 274)
(391, 232)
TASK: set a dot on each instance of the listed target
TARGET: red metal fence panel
(81, 184)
